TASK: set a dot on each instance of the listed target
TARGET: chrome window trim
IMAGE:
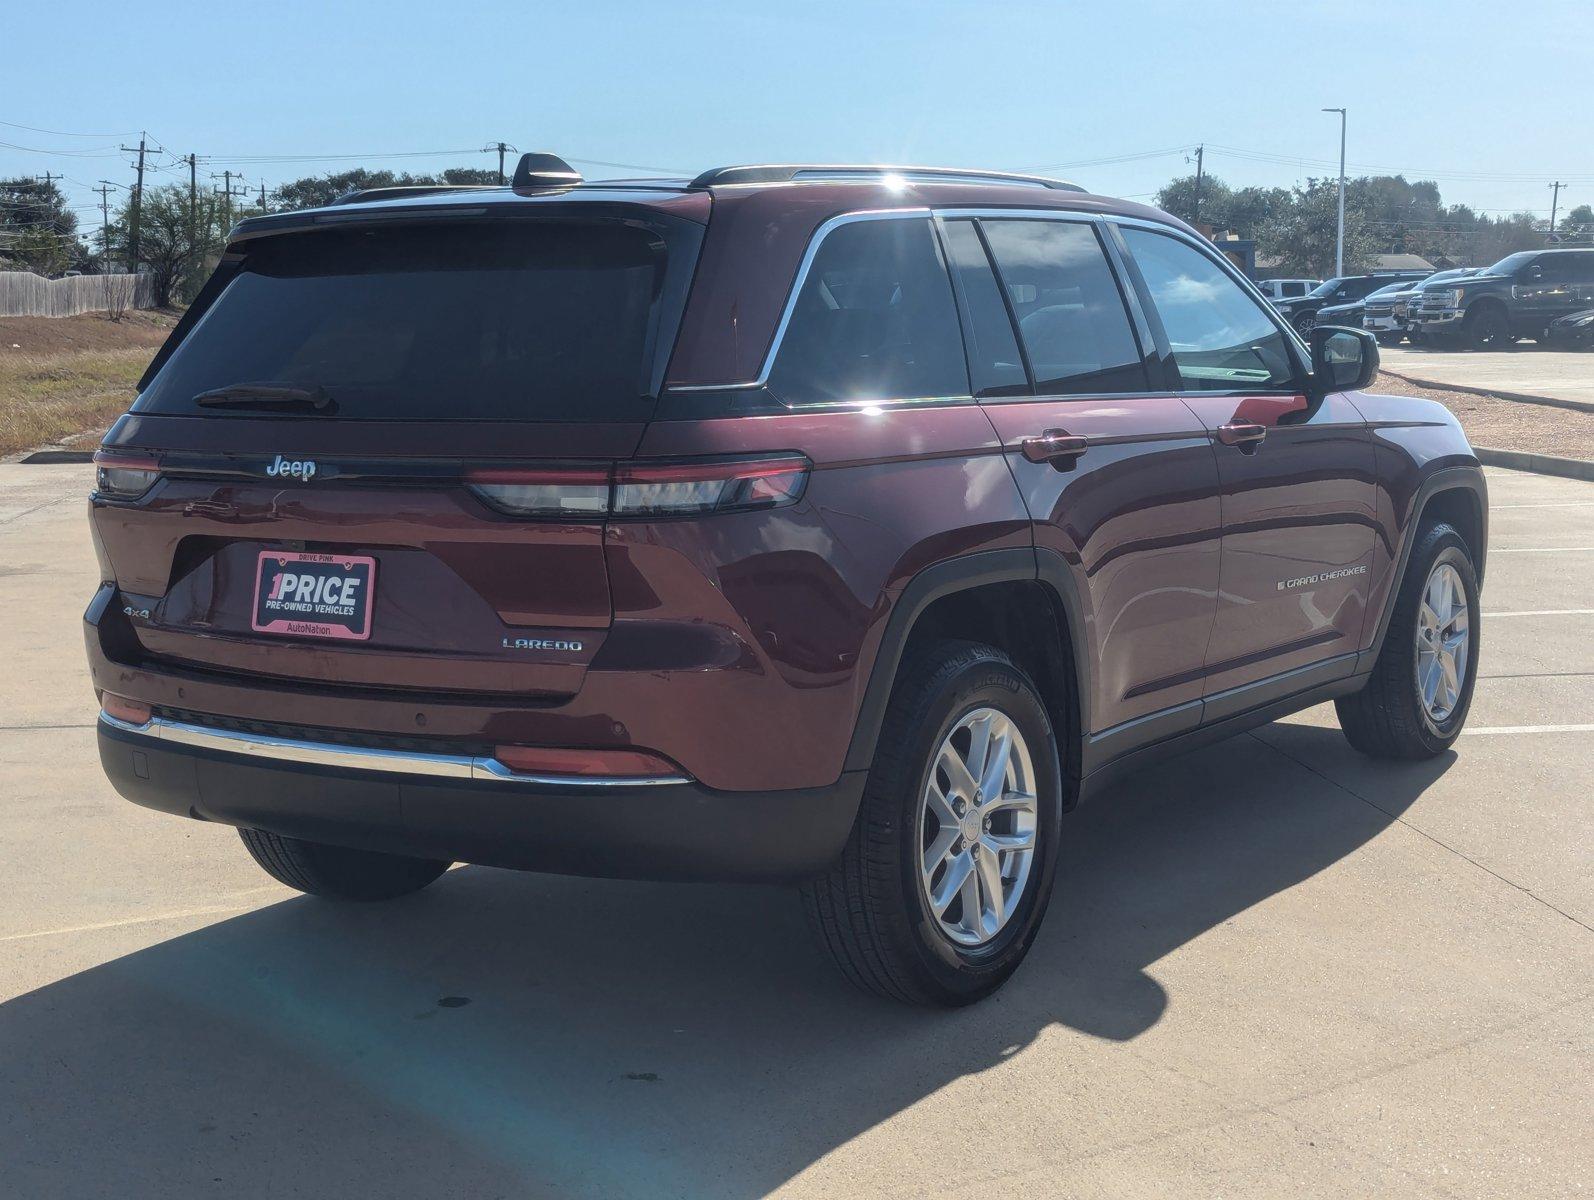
(1209, 249)
(364, 758)
(824, 230)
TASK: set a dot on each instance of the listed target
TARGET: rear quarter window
(512, 320)
(874, 320)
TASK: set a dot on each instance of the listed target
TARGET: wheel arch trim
(1446, 479)
(947, 578)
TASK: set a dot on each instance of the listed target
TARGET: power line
(61, 132)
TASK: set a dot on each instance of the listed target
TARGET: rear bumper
(463, 812)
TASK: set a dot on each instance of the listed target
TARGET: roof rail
(360, 195)
(796, 172)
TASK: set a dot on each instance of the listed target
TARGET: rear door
(385, 453)
(1117, 472)
(1297, 481)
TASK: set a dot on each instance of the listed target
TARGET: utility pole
(1339, 240)
(138, 203)
(1200, 155)
(262, 195)
(193, 202)
(501, 147)
(105, 222)
(227, 193)
(1555, 202)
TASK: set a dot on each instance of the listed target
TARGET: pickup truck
(1519, 296)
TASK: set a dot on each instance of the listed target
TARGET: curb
(1583, 406)
(1539, 464)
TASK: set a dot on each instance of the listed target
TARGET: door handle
(1246, 435)
(1056, 446)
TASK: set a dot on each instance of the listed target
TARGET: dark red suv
(825, 524)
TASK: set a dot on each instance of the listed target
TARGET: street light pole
(1339, 240)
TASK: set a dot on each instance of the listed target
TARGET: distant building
(1401, 262)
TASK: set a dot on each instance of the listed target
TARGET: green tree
(37, 229)
(176, 245)
(1303, 236)
(316, 190)
(1178, 197)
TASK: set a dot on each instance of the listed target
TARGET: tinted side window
(995, 366)
(874, 320)
(1222, 340)
(1070, 312)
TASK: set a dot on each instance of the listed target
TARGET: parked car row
(1546, 295)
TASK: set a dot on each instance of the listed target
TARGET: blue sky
(1490, 98)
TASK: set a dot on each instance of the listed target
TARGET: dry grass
(1508, 424)
(65, 379)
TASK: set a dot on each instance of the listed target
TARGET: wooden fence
(24, 294)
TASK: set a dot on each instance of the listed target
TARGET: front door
(1118, 474)
(1296, 481)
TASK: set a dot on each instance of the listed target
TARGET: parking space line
(1545, 612)
(1547, 504)
(1489, 729)
(1540, 549)
(209, 910)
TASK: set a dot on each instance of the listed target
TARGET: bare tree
(119, 292)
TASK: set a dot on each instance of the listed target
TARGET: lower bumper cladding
(463, 808)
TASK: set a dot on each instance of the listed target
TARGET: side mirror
(1534, 273)
(1343, 360)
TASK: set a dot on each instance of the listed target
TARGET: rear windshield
(515, 320)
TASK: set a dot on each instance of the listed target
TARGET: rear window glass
(874, 320)
(513, 320)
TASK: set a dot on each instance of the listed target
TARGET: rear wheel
(1304, 323)
(943, 883)
(339, 872)
(1416, 701)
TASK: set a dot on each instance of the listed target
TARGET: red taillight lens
(543, 492)
(123, 477)
(543, 760)
(124, 709)
(647, 489)
(642, 489)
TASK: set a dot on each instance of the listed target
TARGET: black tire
(1388, 339)
(1387, 718)
(1486, 327)
(1304, 322)
(338, 872)
(870, 912)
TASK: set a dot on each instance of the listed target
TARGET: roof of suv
(764, 219)
(844, 186)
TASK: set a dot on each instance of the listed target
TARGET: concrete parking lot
(1272, 968)
(1524, 369)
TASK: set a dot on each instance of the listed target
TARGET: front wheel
(943, 883)
(1388, 339)
(338, 872)
(1416, 700)
(1304, 323)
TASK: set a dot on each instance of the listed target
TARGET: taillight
(655, 489)
(644, 489)
(543, 492)
(123, 477)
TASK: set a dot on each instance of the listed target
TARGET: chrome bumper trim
(365, 758)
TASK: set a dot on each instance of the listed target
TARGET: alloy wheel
(1443, 641)
(977, 827)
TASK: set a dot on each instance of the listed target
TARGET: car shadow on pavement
(506, 1034)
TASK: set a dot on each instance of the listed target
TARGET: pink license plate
(314, 595)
